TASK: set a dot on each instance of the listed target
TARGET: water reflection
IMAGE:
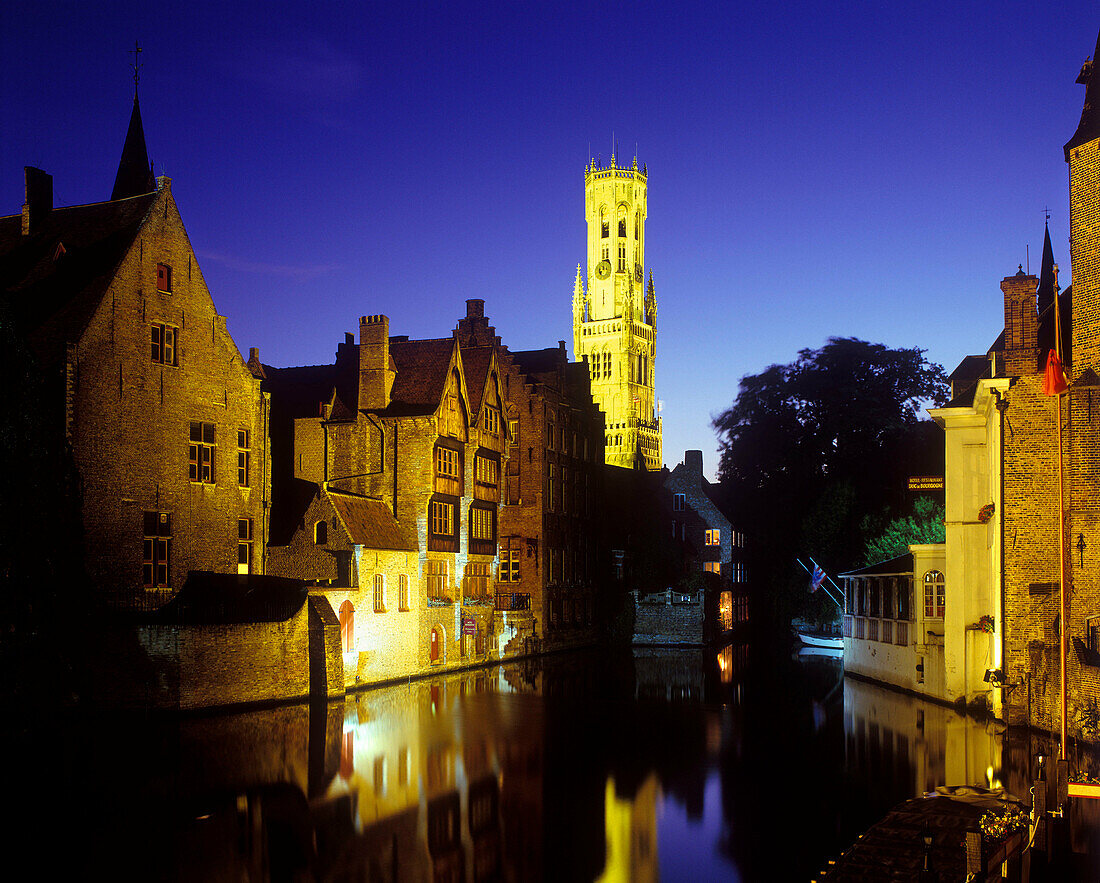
(655, 764)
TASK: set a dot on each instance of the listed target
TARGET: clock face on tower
(603, 269)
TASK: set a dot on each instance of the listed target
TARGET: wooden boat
(831, 642)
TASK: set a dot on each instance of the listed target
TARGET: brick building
(710, 541)
(1009, 564)
(166, 423)
(387, 474)
(550, 529)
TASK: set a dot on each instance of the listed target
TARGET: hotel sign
(469, 625)
(926, 482)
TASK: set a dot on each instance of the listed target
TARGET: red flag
(1054, 380)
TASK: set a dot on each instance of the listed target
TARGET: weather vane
(1046, 212)
(137, 67)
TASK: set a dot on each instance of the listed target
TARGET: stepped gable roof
(890, 567)
(1089, 127)
(55, 278)
(421, 375)
(370, 522)
(475, 365)
(208, 597)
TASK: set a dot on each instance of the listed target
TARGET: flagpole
(1064, 625)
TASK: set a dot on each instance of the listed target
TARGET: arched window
(347, 626)
(436, 648)
(935, 591)
(379, 594)
(320, 533)
(622, 228)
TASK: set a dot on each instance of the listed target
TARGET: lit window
(244, 451)
(712, 566)
(403, 592)
(934, 595)
(481, 524)
(244, 545)
(155, 570)
(486, 470)
(443, 518)
(164, 277)
(713, 537)
(509, 566)
(448, 471)
(492, 421)
(320, 533)
(435, 578)
(513, 431)
(476, 580)
(200, 453)
(379, 594)
(677, 502)
(164, 340)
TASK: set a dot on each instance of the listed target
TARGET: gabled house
(165, 421)
(387, 460)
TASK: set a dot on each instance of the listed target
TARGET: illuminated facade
(615, 314)
(166, 421)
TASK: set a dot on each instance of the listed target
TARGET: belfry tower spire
(135, 174)
(614, 315)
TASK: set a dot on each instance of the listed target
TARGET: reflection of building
(901, 746)
(614, 320)
(165, 420)
(631, 831)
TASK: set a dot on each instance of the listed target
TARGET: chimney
(475, 308)
(39, 196)
(693, 463)
(375, 374)
(1021, 324)
(254, 364)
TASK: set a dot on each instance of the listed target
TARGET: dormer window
(164, 278)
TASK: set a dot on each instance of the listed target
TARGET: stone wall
(660, 619)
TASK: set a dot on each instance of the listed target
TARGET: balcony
(513, 601)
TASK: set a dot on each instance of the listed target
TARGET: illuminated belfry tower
(615, 314)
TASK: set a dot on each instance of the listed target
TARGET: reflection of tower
(615, 314)
(631, 831)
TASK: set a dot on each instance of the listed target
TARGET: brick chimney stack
(1021, 324)
(375, 375)
(693, 463)
(39, 199)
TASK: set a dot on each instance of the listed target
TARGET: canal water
(731, 763)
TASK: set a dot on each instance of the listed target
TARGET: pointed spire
(1046, 275)
(135, 174)
(1089, 127)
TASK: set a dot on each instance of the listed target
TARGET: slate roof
(1089, 127)
(538, 361)
(421, 375)
(135, 174)
(475, 365)
(369, 522)
(53, 300)
(889, 567)
(230, 598)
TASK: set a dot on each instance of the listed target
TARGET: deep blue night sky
(816, 169)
